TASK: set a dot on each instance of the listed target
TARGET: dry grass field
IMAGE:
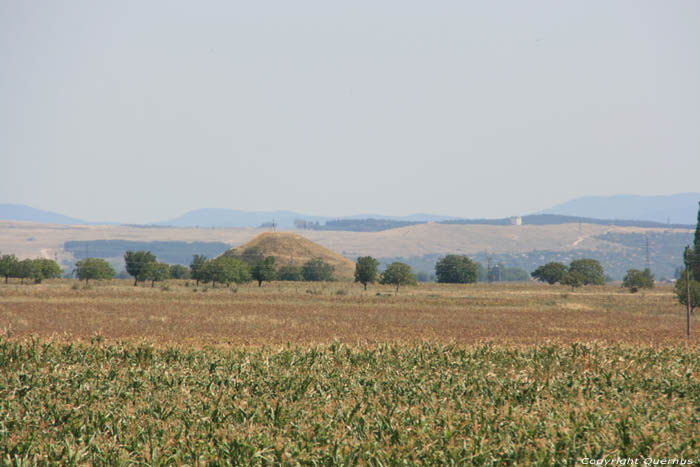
(311, 313)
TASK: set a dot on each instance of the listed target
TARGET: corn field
(116, 403)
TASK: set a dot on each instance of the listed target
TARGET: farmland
(313, 313)
(324, 374)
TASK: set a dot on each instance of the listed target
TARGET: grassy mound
(288, 248)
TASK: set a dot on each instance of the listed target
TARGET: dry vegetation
(310, 313)
(323, 374)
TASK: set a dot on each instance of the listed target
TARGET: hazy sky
(137, 111)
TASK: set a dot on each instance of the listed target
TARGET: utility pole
(687, 291)
(488, 268)
(648, 262)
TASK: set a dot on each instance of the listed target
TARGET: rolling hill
(288, 248)
(680, 208)
(21, 212)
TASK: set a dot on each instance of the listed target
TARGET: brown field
(311, 313)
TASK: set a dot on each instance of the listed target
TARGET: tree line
(229, 268)
(28, 269)
(252, 265)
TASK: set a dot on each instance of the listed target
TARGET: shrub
(317, 270)
(636, 279)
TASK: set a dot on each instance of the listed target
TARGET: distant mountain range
(672, 210)
(20, 212)
(681, 208)
(282, 219)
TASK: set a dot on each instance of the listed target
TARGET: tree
(93, 268)
(178, 271)
(550, 273)
(694, 255)
(251, 256)
(681, 290)
(156, 272)
(48, 268)
(316, 270)
(136, 264)
(27, 269)
(264, 270)
(573, 279)
(398, 274)
(8, 265)
(456, 269)
(225, 270)
(366, 270)
(590, 269)
(197, 267)
(290, 273)
(636, 279)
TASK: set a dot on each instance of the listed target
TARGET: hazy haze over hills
(675, 209)
(18, 212)
(681, 208)
(283, 219)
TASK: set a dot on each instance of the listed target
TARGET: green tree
(550, 273)
(137, 264)
(573, 279)
(156, 272)
(178, 271)
(456, 269)
(366, 270)
(290, 273)
(317, 270)
(251, 256)
(226, 270)
(264, 270)
(93, 268)
(197, 266)
(49, 269)
(8, 265)
(694, 255)
(681, 291)
(590, 269)
(398, 274)
(27, 269)
(636, 279)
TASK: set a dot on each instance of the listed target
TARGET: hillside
(680, 208)
(20, 212)
(288, 248)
